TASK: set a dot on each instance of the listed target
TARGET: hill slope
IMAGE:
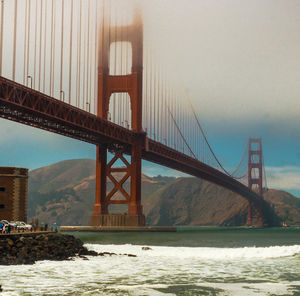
(190, 201)
(64, 193)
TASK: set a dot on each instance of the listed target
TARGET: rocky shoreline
(27, 249)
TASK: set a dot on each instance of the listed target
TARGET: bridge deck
(30, 107)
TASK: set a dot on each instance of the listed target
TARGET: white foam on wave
(202, 253)
(236, 271)
(246, 289)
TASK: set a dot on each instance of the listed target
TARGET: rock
(106, 253)
(146, 248)
(10, 242)
(84, 251)
(83, 257)
(29, 249)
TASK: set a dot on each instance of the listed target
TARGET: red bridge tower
(255, 178)
(107, 85)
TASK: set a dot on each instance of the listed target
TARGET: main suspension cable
(210, 149)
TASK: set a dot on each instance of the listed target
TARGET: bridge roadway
(30, 107)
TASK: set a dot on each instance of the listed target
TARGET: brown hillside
(64, 193)
(286, 206)
(190, 201)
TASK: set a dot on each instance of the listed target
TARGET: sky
(239, 61)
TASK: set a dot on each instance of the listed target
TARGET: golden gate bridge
(81, 69)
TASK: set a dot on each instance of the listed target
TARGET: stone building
(13, 193)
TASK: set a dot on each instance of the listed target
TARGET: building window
(2, 189)
(2, 207)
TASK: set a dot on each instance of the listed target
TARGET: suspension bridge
(81, 69)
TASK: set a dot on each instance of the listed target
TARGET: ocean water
(193, 261)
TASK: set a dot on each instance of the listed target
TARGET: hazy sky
(240, 63)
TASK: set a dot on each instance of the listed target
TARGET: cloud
(286, 177)
(238, 59)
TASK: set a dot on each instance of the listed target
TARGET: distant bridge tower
(107, 85)
(255, 177)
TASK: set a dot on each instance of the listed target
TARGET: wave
(202, 252)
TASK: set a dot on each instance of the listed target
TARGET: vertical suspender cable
(181, 121)
(163, 117)
(168, 116)
(115, 62)
(121, 71)
(15, 41)
(154, 104)
(1, 35)
(119, 97)
(79, 56)
(150, 96)
(35, 43)
(158, 101)
(171, 122)
(77, 60)
(45, 46)
(28, 40)
(40, 52)
(164, 109)
(54, 51)
(127, 70)
(84, 66)
(178, 121)
(145, 97)
(161, 108)
(194, 138)
(100, 55)
(166, 112)
(70, 54)
(25, 35)
(62, 46)
(160, 98)
(175, 115)
(186, 126)
(51, 48)
(185, 123)
(96, 50)
(190, 129)
(89, 62)
(87, 57)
